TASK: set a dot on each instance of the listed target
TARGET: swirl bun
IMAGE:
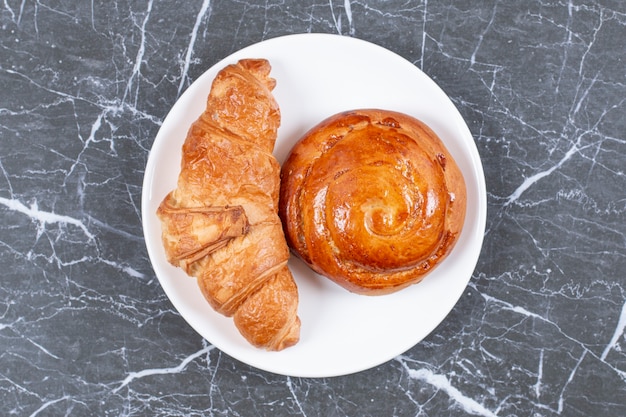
(372, 199)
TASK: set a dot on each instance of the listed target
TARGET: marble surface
(85, 327)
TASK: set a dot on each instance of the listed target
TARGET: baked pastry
(372, 199)
(220, 225)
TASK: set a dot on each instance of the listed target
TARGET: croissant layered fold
(220, 224)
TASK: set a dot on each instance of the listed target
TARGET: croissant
(220, 224)
(372, 199)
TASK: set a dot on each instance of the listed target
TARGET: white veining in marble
(85, 328)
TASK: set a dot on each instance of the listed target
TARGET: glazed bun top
(372, 199)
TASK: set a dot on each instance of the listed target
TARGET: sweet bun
(372, 199)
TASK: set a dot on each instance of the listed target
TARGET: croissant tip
(260, 68)
(291, 339)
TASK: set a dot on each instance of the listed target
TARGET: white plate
(317, 76)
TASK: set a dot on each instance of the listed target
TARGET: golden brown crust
(270, 300)
(220, 224)
(372, 199)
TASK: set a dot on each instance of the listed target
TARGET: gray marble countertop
(85, 327)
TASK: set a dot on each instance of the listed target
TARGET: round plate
(317, 76)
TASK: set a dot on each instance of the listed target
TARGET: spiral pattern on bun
(372, 199)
